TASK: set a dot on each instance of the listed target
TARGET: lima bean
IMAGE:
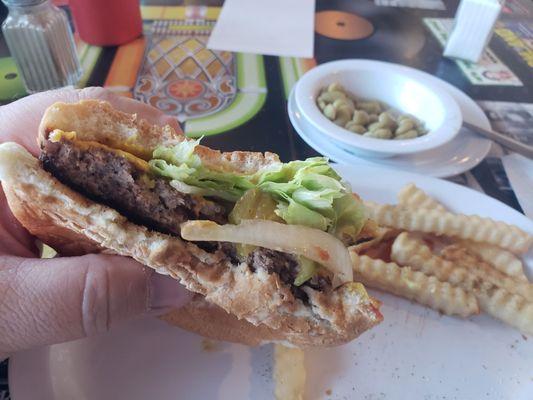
(330, 112)
(360, 117)
(355, 127)
(335, 87)
(347, 102)
(381, 133)
(372, 118)
(405, 125)
(407, 135)
(341, 121)
(375, 125)
(330, 97)
(344, 112)
(371, 107)
(386, 120)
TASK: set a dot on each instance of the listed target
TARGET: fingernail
(166, 293)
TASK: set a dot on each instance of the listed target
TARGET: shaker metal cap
(22, 3)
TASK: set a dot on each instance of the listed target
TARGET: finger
(56, 300)
(14, 239)
(20, 119)
(20, 122)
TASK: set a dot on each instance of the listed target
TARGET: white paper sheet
(519, 170)
(271, 27)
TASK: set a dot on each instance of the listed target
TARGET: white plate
(414, 354)
(463, 153)
(392, 84)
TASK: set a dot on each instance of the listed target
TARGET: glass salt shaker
(40, 40)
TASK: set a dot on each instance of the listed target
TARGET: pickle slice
(308, 268)
(254, 204)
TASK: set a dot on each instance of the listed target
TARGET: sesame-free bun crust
(58, 216)
(211, 321)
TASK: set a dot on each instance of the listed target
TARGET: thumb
(56, 300)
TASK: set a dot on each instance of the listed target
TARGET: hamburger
(261, 243)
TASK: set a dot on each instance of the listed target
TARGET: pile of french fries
(456, 264)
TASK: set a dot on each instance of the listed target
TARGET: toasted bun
(56, 214)
(95, 120)
(211, 321)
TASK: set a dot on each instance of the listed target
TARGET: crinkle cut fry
(510, 308)
(289, 373)
(407, 250)
(507, 307)
(414, 285)
(411, 251)
(444, 223)
(461, 256)
(503, 260)
(415, 198)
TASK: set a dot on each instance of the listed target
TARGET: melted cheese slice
(57, 135)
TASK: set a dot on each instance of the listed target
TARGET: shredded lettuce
(307, 192)
(180, 164)
(229, 195)
(182, 153)
(350, 217)
(179, 172)
(295, 213)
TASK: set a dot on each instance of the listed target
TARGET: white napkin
(272, 27)
(519, 170)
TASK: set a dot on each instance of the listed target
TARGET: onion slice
(314, 244)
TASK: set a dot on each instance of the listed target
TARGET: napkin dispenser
(473, 26)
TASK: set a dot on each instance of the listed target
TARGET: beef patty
(287, 267)
(108, 178)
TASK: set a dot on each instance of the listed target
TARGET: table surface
(249, 112)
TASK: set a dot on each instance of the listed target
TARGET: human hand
(45, 301)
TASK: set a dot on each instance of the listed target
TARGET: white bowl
(391, 84)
